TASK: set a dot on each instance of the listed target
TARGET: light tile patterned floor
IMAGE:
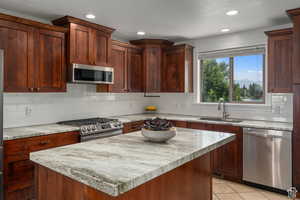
(226, 190)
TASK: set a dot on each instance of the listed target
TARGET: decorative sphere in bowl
(159, 136)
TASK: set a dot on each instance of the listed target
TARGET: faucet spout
(224, 114)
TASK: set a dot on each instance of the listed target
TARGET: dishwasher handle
(267, 133)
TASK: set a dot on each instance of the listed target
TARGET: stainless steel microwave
(91, 74)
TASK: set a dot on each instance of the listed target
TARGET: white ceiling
(171, 19)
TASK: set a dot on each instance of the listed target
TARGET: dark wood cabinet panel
(181, 124)
(34, 56)
(18, 44)
(295, 15)
(173, 71)
(280, 55)
(51, 69)
(135, 70)
(296, 137)
(177, 69)
(181, 183)
(227, 161)
(19, 170)
(89, 43)
(80, 44)
(152, 62)
(132, 126)
(152, 69)
(119, 63)
(102, 48)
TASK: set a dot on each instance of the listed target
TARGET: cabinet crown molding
(279, 32)
(145, 42)
(69, 19)
(293, 12)
(32, 23)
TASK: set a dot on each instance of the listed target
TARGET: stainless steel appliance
(91, 74)
(1, 123)
(267, 157)
(94, 128)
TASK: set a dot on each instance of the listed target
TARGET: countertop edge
(120, 188)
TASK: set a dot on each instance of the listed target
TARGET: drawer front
(133, 126)
(15, 147)
(41, 143)
(67, 138)
(19, 170)
(22, 194)
(181, 124)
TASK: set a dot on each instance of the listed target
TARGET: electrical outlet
(28, 111)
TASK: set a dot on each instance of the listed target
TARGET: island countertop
(118, 164)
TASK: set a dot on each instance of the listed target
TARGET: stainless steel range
(94, 128)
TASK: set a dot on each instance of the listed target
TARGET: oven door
(91, 74)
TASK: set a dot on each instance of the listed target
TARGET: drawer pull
(44, 142)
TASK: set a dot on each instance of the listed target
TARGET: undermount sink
(219, 119)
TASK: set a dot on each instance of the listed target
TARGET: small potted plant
(158, 130)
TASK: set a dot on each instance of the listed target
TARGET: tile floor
(226, 190)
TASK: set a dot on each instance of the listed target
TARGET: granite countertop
(39, 130)
(281, 126)
(118, 164)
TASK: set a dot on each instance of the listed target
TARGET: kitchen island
(129, 167)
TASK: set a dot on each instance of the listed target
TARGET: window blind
(243, 51)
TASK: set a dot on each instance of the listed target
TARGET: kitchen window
(236, 75)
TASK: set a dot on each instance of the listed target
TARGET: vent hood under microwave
(90, 74)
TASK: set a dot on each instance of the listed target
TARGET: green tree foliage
(215, 80)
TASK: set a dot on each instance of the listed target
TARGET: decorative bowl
(159, 136)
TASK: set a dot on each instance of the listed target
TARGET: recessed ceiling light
(224, 30)
(232, 12)
(141, 33)
(90, 16)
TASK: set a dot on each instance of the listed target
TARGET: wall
(81, 101)
(278, 106)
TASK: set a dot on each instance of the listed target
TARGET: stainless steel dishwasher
(267, 157)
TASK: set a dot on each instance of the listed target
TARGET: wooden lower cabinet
(133, 126)
(227, 161)
(191, 181)
(181, 124)
(19, 170)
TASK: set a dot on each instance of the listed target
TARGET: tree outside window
(237, 79)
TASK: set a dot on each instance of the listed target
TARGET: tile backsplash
(82, 101)
(279, 107)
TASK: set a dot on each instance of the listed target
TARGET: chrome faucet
(225, 114)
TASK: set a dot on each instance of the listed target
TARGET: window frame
(231, 79)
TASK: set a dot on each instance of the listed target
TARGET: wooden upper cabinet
(31, 51)
(135, 70)
(102, 48)
(80, 43)
(280, 57)
(17, 42)
(51, 70)
(88, 43)
(119, 63)
(177, 69)
(152, 62)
